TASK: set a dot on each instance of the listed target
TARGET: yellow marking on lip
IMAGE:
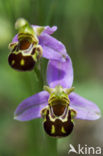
(22, 62)
(63, 130)
(53, 129)
(13, 61)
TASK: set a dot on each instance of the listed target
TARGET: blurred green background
(80, 28)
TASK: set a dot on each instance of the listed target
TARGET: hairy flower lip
(21, 60)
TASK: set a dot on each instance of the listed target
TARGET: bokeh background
(80, 28)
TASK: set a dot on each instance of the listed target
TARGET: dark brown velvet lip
(28, 62)
(58, 124)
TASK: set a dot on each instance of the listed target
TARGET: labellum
(26, 51)
(58, 116)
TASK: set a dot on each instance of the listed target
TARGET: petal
(51, 42)
(51, 54)
(50, 30)
(30, 108)
(59, 73)
(47, 29)
(15, 39)
(86, 109)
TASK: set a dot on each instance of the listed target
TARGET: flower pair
(58, 105)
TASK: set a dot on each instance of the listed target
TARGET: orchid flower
(58, 105)
(33, 42)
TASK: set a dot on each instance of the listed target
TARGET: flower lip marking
(22, 62)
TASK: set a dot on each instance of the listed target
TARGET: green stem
(38, 76)
(40, 143)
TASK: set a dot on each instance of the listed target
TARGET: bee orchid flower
(58, 105)
(31, 43)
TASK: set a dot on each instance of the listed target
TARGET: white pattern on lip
(29, 50)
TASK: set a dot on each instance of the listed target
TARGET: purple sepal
(30, 108)
(52, 48)
(47, 29)
(86, 110)
(50, 30)
(59, 73)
